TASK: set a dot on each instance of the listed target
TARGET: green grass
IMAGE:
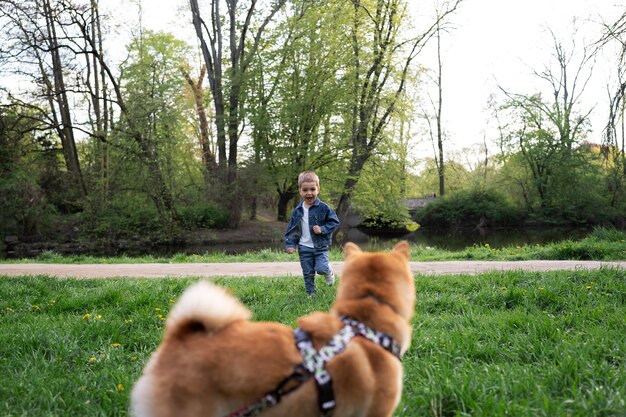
(602, 244)
(511, 343)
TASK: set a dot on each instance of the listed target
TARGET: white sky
(500, 42)
(494, 42)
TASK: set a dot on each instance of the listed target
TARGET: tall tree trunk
(284, 197)
(440, 165)
(65, 129)
(99, 103)
(208, 155)
(213, 64)
(372, 107)
(227, 116)
(354, 171)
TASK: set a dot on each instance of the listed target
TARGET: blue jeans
(312, 261)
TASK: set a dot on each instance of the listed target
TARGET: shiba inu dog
(215, 362)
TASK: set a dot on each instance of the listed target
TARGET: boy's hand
(291, 250)
(317, 230)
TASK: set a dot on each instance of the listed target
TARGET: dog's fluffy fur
(213, 360)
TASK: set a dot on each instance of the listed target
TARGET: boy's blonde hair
(308, 176)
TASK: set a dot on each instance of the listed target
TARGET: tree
(226, 76)
(295, 91)
(206, 144)
(614, 148)
(23, 202)
(377, 77)
(152, 107)
(41, 37)
(547, 132)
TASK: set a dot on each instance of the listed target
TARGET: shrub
(124, 217)
(24, 207)
(468, 209)
(203, 215)
(608, 234)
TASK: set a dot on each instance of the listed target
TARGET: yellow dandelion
(588, 287)
(503, 289)
(120, 388)
(541, 289)
(86, 316)
(98, 316)
(157, 309)
(116, 344)
(92, 359)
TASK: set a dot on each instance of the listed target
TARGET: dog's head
(384, 276)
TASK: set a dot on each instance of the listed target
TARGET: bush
(468, 209)
(125, 217)
(203, 215)
(608, 235)
(24, 207)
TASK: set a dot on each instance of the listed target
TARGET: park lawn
(502, 343)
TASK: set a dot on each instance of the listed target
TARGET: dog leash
(314, 365)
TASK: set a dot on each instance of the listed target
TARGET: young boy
(310, 230)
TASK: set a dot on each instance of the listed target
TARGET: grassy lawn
(510, 343)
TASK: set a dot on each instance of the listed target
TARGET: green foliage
(380, 194)
(295, 92)
(27, 167)
(427, 181)
(608, 234)
(25, 210)
(150, 156)
(302, 98)
(468, 209)
(125, 217)
(201, 216)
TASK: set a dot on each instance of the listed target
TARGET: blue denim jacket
(320, 214)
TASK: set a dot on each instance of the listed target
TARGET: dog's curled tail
(204, 307)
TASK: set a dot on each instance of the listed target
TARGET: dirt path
(279, 268)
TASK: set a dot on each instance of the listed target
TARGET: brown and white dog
(213, 360)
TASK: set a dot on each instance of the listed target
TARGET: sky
(499, 43)
(492, 43)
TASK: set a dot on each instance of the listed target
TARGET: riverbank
(262, 233)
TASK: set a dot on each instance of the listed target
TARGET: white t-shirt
(305, 239)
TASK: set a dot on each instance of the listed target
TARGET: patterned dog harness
(314, 365)
(315, 361)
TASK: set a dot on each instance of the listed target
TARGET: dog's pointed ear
(350, 249)
(402, 248)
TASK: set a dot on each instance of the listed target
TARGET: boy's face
(309, 192)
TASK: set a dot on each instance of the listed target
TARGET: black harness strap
(287, 385)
